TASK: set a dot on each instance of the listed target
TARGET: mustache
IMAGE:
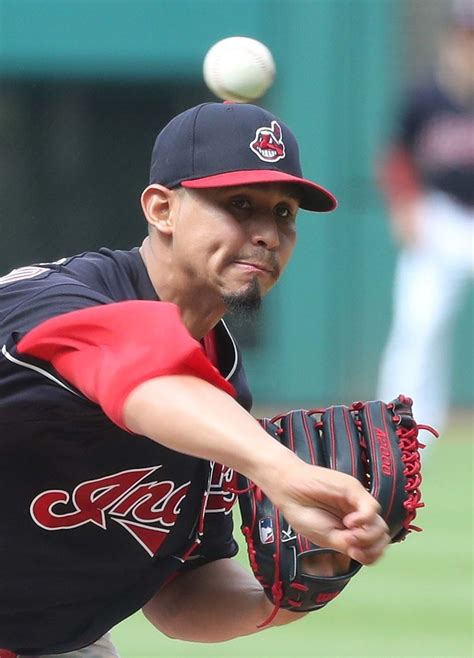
(264, 258)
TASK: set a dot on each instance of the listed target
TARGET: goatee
(245, 304)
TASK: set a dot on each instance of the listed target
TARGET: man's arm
(213, 603)
(401, 186)
(190, 415)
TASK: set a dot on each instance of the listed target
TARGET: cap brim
(314, 197)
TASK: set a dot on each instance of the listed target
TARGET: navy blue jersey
(94, 518)
(438, 133)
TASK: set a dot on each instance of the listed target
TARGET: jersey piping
(40, 371)
(234, 346)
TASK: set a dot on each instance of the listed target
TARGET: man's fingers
(337, 493)
(369, 554)
(363, 542)
(369, 533)
(365, 508)
(367, 543)
(343, 495)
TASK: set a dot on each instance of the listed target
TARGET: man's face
(234, 242)
(458, 53)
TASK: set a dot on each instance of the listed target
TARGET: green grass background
(416, 602)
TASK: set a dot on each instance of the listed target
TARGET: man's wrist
(270, 472)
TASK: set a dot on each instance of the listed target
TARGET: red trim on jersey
(210, 347)
(107, 351)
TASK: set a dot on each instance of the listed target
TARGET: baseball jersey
(94, 518)
(438, 134)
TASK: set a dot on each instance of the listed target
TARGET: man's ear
(156, 204)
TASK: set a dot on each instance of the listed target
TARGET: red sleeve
(398, 177)
(106, 351)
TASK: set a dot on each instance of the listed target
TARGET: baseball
(239, 69)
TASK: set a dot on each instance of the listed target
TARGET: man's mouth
(256, 267)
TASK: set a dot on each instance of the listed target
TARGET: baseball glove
(374, 442)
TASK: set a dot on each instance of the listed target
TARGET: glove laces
(407, 432)
(411, 457)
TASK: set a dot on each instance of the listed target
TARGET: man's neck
(199, 312)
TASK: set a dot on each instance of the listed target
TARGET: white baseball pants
(103, 648)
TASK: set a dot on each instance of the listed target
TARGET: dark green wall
(338, 62)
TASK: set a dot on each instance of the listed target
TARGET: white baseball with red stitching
(239, 69)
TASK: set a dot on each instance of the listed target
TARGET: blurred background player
(427, 176)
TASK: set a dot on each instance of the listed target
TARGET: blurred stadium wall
(85, 86)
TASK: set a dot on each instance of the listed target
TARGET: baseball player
(123, 395)
(428, 178)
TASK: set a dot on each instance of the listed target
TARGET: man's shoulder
(429, 96)
(34, 293)
(117, 275)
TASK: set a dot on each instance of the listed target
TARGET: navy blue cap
(226, 144)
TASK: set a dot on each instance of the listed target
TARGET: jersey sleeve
(106, 351)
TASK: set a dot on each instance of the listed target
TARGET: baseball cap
(227, 144)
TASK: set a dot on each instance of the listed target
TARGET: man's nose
(265, 233)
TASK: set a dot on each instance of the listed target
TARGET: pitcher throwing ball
(124, 409)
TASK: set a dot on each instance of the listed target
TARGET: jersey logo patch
(220, 498)
(147, 510)
(268, 143)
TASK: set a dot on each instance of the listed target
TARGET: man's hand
(330, 508)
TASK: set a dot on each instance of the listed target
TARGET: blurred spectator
(427, 177)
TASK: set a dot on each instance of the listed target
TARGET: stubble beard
(246, 303)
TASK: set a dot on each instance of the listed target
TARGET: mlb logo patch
(265, 529)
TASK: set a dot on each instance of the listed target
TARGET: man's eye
(284, 212)
(241, 204)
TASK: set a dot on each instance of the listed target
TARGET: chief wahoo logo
(268, 143)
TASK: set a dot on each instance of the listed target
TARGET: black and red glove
(375, 442)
